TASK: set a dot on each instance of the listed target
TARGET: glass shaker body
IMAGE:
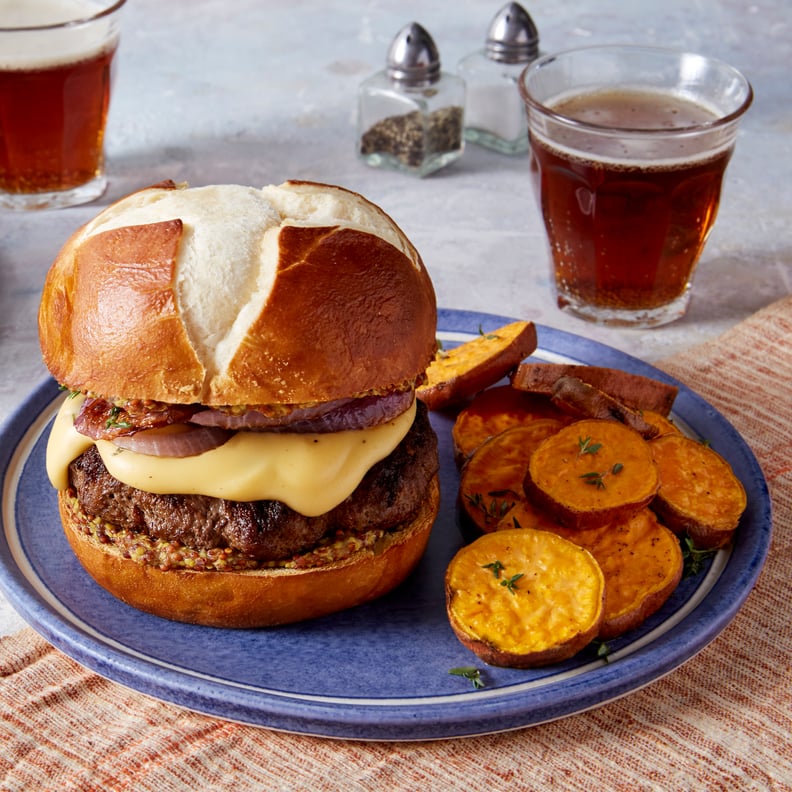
(495, 114)
(414, 129)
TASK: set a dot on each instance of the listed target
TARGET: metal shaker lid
(512, 36)
(413, 59)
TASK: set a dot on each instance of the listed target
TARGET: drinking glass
(56, 62)
(629, 148)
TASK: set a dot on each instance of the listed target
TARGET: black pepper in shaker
(495, 116)
(411, 114)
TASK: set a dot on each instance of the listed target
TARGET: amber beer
(55, 81)
(53, 132)
(627, 235)
(629, 145)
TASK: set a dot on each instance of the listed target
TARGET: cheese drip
(310, 473)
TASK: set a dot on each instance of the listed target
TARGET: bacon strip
(101, 420)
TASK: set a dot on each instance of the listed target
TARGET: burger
(241, 444)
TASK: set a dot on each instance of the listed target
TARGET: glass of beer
(56, 60)
(629, 146)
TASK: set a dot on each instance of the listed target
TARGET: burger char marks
(389, 495)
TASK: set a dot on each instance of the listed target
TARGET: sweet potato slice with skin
(582, 400)
(699, 494)
(494, 410)
(491, 481)
(642, 564)
(459, 373)
(526, 514)
(524, 598)
(591, 473)
(634, 390)
(663, 424)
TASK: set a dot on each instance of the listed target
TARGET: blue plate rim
(468, 713)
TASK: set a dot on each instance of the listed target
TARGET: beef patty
(388, 496)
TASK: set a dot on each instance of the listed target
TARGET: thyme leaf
(511, 583)
(496, 507)
(603, 651)
(594, 478)
(693, 559)
(597, 478)
(495, 566)
(585, 446)
(113, 421)
(471, 673)
(72, 393)
(488, 336)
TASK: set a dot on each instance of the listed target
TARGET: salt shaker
(411, 114)
(495, 114)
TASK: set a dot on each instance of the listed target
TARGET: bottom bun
(253, 598)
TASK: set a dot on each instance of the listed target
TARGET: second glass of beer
(55, 74)
(629, 146)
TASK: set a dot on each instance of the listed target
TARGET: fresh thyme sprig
(511, 583)
(488, 336)
(471, 673)
(597, 478)
(585, 446)
(603, 650)
(113, 421)
(496, 507)
(495, 566)
(693, 559)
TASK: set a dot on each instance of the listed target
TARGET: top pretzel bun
(230, 295)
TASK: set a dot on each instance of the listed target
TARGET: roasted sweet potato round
(494, 410)
(664, 425)
(524, 598)
(642, 564)
(699, 494)
(491, 481)
(591, 473)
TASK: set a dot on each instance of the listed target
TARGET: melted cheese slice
(311, 473)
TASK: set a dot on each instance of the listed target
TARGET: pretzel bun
(255, 598)
(282, 329)
(231, 295)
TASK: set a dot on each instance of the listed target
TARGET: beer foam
(648, 155)
(38, 49)
(663, 130)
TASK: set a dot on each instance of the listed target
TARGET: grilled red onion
(183, 440)
(336, 416)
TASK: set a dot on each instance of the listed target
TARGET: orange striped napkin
(723, 721)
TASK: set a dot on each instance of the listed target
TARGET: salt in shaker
(411, 114)
(495, 114)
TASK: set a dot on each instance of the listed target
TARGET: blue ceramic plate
(379, 671)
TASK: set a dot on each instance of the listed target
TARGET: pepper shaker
(411, 114)
(495, 114)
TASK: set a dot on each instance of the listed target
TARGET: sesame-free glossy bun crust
(259, 598)
(230, 295)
